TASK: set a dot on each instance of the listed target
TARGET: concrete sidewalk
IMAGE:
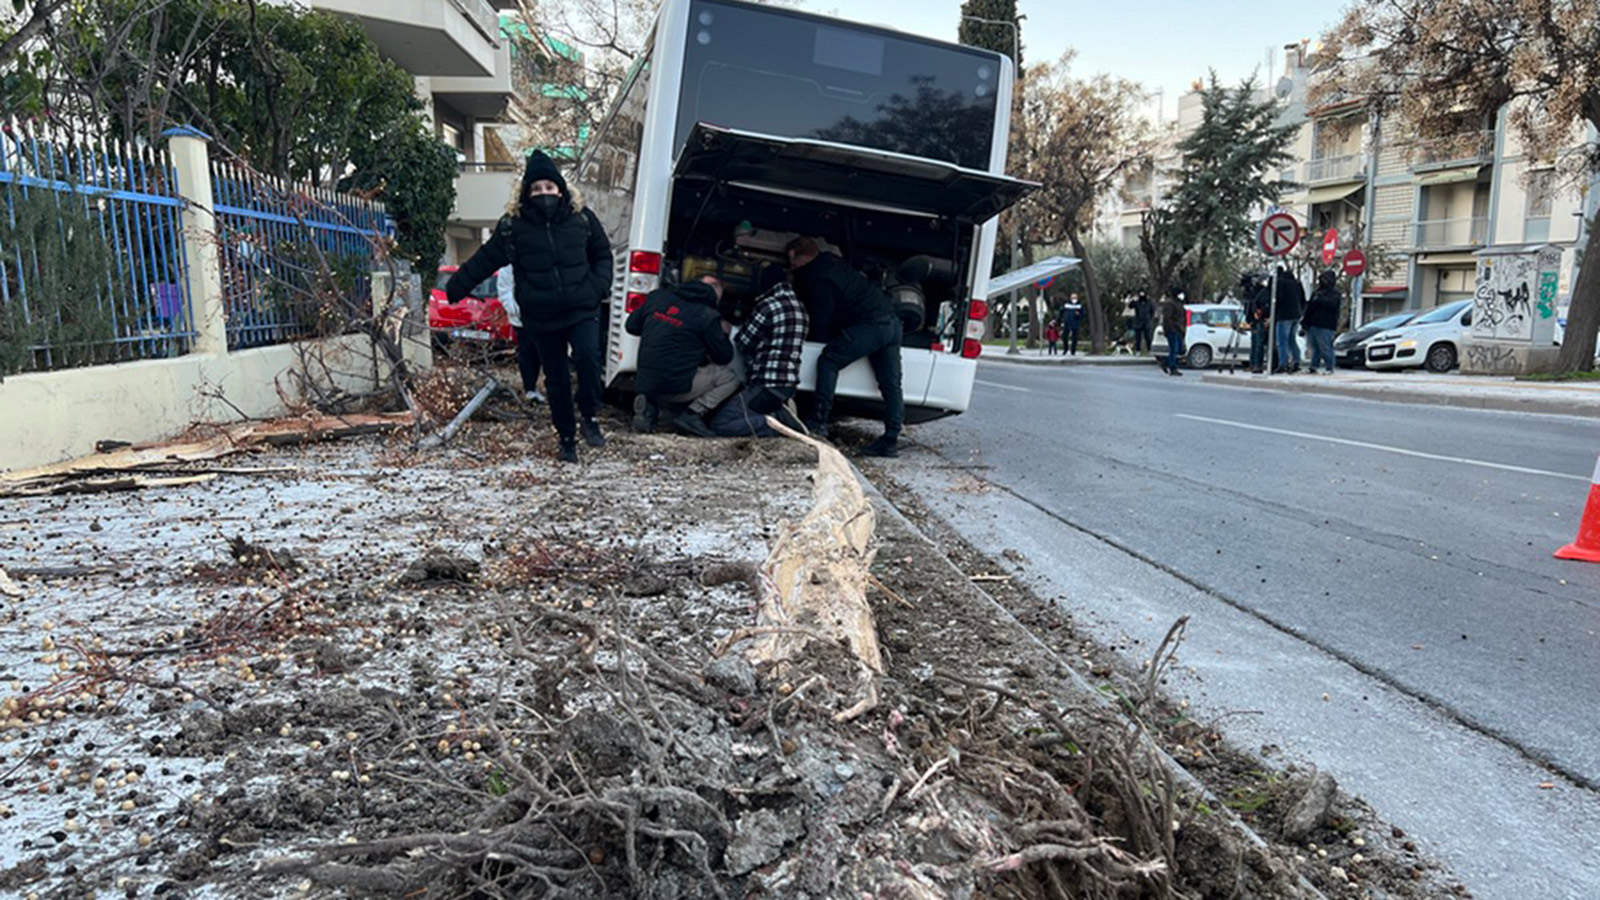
(1039, 357)
(1578, 398)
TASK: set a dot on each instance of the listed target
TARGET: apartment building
(461, 61)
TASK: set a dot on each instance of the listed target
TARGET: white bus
(744, 125)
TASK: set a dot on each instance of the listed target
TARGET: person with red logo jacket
(684, 355)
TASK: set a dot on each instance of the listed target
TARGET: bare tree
(1447, 67)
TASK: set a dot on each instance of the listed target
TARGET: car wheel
(1441, 358)
(1199, 357)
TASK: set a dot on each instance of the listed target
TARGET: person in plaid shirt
(770, 344)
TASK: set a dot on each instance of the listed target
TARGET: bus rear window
(774, 72)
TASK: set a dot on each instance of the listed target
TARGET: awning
(1447, 259)
(1450, 176)
(1385, 294)
(1334, 192)
(1039, 271)
(847, 175)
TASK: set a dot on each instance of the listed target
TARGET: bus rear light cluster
(644, 276)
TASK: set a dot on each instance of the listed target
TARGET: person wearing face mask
(561, 264)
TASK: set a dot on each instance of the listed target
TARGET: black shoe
(788, 420)
(691, 423)
(1163, 364)
(568, 451)
(818, 430)
(591, 434)
(885, 447)
(645, 415)
(1175, 372)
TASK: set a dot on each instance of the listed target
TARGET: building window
(1541, 199)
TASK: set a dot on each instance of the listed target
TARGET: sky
(1164, 44)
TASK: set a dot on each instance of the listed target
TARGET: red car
(478, 318)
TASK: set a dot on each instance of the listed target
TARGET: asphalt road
(1372, 581)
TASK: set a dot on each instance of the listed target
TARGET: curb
(1002, 358)
(1530, 404)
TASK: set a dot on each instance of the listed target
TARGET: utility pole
(1016, 227)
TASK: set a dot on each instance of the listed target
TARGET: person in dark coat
(1257, 316)
(1071, 319)
(1174, 327)
(854, 320)
(1289, 306)
(1322, 319)
(684, 355)
(1144, 316)
(561, 265)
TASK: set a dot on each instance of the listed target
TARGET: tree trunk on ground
(1583, 315)
(1091, 291)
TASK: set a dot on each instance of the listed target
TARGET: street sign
(1355, 262)
(1279, 233)
(1330, 246)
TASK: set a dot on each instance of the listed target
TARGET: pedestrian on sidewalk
(505, 283)
(1291, 304)
(684, 356)
(1071, 319)
(770, 344)
(1174, 323)
(1257, 316)
(561, 262)
(1322, 319)
(1144, 313)
(1052, 335)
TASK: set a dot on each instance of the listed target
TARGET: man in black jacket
(561, 262)
(855, 320)
(684, 354)
(1322, 319)
(1257, 315)
(1290, 304)
(1144, 314)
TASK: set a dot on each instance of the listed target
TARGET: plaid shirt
(770, 342)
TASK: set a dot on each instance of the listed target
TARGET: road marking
(1386, 449)
(1003, 387)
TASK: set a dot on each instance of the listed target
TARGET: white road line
(1399, 450)
(1003, 387)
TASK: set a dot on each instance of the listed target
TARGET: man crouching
(684, 355)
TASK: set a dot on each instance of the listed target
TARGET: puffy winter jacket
(1323, 310)
(837, 296)
(1291, 298)
(679, 329)
(561, 263)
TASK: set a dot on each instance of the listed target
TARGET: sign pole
(1272, 318)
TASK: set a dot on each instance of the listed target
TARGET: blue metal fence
(279, 242)
(137, 300)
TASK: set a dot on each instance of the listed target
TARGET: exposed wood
(815, 578)
(8, 588)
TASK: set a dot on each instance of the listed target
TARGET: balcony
(1349, 167)
(1473, 148)
(479, 98)
(1436, 234)
(433, 38)
(482, 192)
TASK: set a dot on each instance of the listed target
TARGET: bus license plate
(470, 334)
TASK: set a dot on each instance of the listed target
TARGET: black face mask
(546, 203)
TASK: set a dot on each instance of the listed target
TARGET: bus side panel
(856, 380)
(950, 384)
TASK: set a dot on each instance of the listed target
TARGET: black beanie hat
(541, 168)
(771, 276)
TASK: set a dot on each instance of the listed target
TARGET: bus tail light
(971, 349)
(978, 310)
(644, 276)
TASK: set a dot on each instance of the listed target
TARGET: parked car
(479, 318)
(1433, 340)
(1214, 334)
(1350, 348)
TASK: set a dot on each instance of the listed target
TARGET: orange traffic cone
(1587, 546)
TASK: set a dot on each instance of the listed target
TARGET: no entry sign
(1279, 233)
(1330, 246)
(1355, 262)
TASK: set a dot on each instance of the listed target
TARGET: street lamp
(1016, 230)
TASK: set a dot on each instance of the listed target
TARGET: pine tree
(988, 35)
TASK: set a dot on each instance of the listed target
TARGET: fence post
(191, 158)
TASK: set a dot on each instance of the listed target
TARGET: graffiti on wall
(1492, 359)
(1502, 306)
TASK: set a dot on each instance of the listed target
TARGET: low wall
(1504, 358)
(51, 416)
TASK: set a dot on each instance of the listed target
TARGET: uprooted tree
(1447, 67)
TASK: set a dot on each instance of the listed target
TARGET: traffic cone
(1587, 547)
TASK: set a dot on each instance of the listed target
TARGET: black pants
(527, 359)
(879, 342)
(1141, 338)
(745, 414)
(1069, 341)
(584, 339)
